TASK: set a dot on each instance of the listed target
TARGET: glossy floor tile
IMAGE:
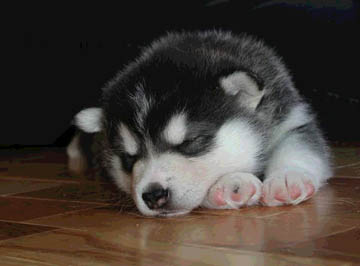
(347, 161)
(84, 191)
(22, 209)
(10, 230)
(14, 186)
(47, 217)
(66, 247)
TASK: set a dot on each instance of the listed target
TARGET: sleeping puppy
(204, 119)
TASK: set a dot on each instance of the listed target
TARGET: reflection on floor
(48, 217)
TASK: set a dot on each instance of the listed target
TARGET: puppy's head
(173, 129)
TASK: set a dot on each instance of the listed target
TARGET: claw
(287, 188)
(234, 191)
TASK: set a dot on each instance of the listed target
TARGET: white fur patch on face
(119, 176)
(130, 144)
(175, 131)
(89, 120)
(236, 149)
(237, 140)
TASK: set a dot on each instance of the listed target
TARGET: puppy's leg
(233, 191)
(297, 168)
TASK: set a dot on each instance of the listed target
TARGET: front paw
(233, 191)
(287, 187)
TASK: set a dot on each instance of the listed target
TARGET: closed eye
(128, 161)
(195, 146)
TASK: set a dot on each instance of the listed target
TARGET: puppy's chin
(172, 213)
(164, 212)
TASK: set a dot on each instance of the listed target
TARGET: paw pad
(281, 195)
(310, 189)
(295, 192)
(218, 197)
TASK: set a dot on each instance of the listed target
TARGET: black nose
(155, 196)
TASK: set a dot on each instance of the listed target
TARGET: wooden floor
(50, 218)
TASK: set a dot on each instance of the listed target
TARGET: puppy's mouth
(164, 212)
(157, 201)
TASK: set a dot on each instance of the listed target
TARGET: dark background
(63, 54)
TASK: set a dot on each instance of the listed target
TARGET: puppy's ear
(89, 120)
(243, 86)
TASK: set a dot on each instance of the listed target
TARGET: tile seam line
(13, 196)
(40, 225)
(53, 215)
(319, 256)
(346, 165)
(317, 238)
(27, 260)
(67, 212)
(25, 236)
(346, 176)
(47, 180)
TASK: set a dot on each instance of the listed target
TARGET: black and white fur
(205, 119)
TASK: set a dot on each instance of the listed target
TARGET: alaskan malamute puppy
(205, 119)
